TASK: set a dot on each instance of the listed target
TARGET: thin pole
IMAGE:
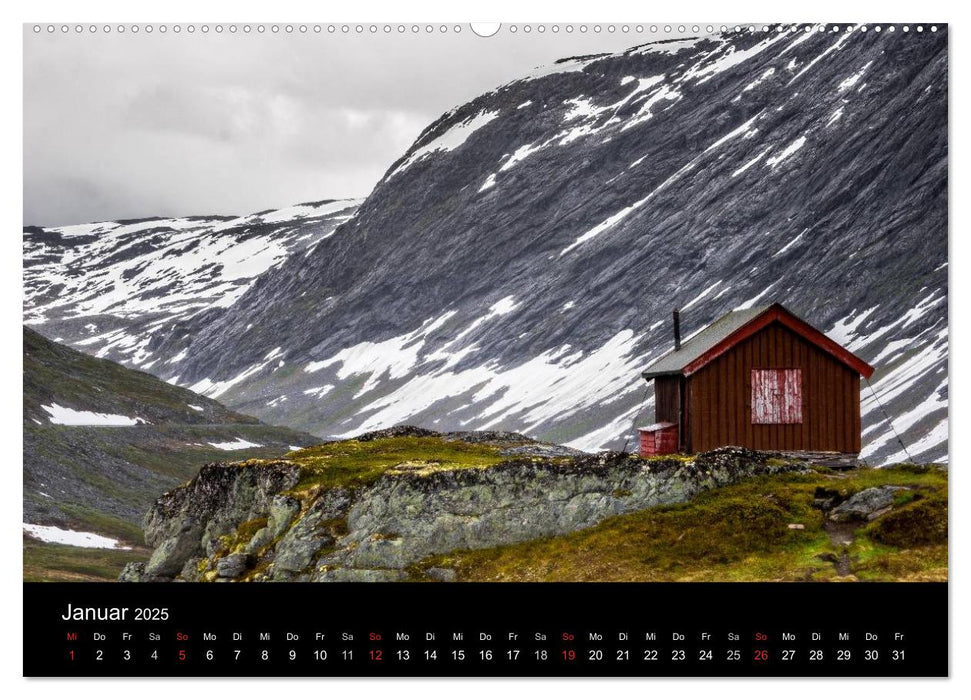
(887, 416)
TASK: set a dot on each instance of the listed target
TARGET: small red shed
(760, 378)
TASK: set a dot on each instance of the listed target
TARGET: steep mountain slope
(102, 441)
(116, 288)
(516, 268)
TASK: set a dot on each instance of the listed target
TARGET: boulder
(283, 509)
(193, 569)
(867, 504)
(233, 565)
(171, 555)
(132, 572)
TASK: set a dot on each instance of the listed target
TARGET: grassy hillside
(44, 561)
(742, 533)
(102, 479)
(57, 374)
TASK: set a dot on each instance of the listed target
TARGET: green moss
(912, 468)
(875, 563)
(669, 458)
(260, 572)
(235, 542)
(352, 463)
(734, 533)
(918, 524)
(244, 533)
(901, 475)
(904, 497)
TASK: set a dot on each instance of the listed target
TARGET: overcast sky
(126, 126)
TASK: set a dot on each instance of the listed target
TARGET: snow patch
(394, 357)
(450, 140)
(726, 56)
(61, 415)
(669, 46)
(790, 244)
(768, 73)
(237, 444)
(556, 383)
(824, 54)
(74, 538)
(214, 389)
(318, 391)
(705, 292)
(752, 162)
(788, 151)
(853, 79)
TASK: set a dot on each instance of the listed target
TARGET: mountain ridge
(117, 289)
(516, 267)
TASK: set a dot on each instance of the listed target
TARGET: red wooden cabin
(760, 378)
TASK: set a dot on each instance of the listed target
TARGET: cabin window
(776, 396)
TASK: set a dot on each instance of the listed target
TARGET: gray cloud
(123, 126)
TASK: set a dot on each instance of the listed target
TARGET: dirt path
(841, 535)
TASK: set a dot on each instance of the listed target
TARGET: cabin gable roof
(728, 331)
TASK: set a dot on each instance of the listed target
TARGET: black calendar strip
(485, 630)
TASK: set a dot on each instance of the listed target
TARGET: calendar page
(543, 349)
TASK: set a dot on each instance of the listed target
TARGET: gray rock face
(172, 552)
(868, 504)
(132, 571)
(314, 533)
(233, 565)
(220, 497)
(376, 532)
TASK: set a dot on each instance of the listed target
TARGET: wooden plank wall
(666, 401)
(720, 398)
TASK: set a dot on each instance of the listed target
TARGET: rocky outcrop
(868, 504)
(190, 520)
(247, 521)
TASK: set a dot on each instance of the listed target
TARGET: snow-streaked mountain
(101, 441)
(517, 267)
(117, 288)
